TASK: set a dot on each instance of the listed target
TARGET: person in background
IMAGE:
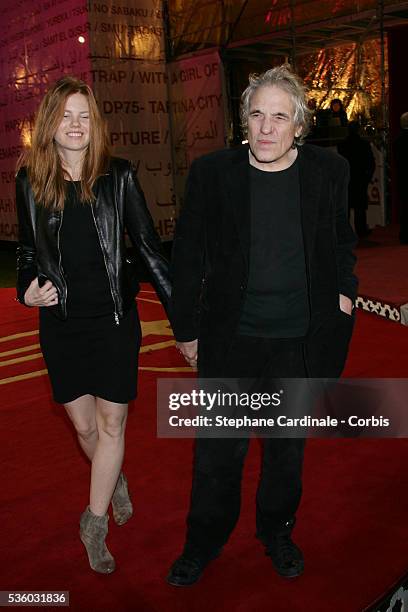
(360, 157)
(74, 202)
(337, 116)
(401, 164)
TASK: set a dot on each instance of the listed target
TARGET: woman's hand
(41, 296)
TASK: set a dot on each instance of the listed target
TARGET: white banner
(130, 82)
(117, 47)
(197, 111)
(40, 41)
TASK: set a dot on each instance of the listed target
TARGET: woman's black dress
(88, 353)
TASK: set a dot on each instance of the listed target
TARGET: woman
(337, 115)
(74, 202)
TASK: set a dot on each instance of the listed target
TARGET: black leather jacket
(119, 204)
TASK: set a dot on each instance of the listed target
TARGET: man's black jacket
(119, 204)
(211, 256)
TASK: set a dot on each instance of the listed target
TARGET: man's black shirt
(276, 303)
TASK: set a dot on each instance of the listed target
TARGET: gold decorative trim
(156, 346)
(22, 349)
(20, 335)
(11, 379)
(20, 359)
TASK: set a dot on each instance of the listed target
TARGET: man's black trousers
(218, 463)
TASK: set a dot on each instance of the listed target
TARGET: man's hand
(346, 305)
(189, 351)
(41, 296)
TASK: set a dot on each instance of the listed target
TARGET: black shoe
(188, 570)
(287, 558)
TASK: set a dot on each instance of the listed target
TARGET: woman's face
(74, 130)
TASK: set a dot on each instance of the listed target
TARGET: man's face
(271, 129)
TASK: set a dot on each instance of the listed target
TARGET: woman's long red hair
(45, 171)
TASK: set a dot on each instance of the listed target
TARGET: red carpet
(351, 523)
(382, 269)
(381, 265)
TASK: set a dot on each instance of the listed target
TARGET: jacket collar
(102, 181)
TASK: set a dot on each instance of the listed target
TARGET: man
(263, 287)
(401, 164)
(361, 160)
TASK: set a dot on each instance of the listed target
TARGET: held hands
(189, 351)
(41, 296)
(346, 305)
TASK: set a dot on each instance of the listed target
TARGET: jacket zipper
(60, 262)
(106, 265)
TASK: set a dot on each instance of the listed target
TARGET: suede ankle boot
(122, 508)
(93, 531)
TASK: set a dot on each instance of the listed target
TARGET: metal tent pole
(384, 115)
(293, 33)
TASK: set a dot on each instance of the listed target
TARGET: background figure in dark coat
(401, 163)
(358, 153)
(337, 114)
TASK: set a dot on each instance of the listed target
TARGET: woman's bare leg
(82, 413)
(108, 456)
(100, 427)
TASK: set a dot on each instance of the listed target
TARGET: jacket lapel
(238, 193)
(103, 182)
(310, 176)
